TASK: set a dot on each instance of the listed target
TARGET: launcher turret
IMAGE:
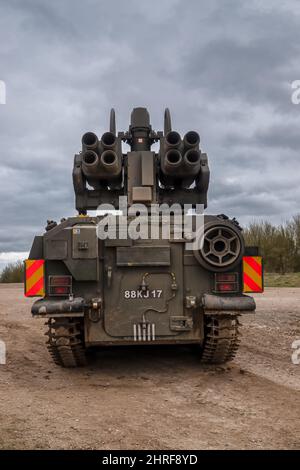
(178, 172)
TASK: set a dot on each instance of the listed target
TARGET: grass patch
(282, 280)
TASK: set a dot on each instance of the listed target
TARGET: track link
(65, 343)
(221, 339)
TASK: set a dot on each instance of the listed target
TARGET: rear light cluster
(60, 285)
(226, 282)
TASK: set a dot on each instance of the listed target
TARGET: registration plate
(139, 294)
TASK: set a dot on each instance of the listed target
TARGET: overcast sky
(224, 68)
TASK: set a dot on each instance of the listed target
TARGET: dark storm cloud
(224, 68)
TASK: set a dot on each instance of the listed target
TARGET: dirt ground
(153, 398)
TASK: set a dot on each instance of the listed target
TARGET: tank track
(221, 339)
(65, 343)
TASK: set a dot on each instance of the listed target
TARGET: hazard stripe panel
(253, 274)
(34, 277)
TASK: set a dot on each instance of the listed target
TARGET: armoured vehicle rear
(150, 267)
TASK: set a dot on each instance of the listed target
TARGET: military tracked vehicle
(132, 290)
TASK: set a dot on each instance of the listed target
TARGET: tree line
(279, 244)
(13, 272)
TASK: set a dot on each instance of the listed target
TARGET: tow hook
(95, 310)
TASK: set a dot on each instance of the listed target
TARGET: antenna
(112, 121)
(167, 122)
